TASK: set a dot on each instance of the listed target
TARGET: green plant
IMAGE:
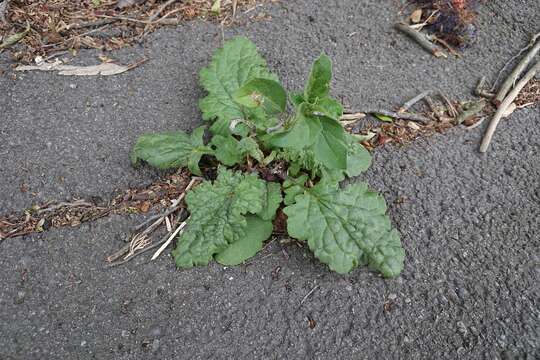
(253, 139)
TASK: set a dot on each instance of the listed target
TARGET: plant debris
(66, 25)
(104, 69)
(39, 218)
(452, 21)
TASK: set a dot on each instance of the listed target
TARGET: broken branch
(504, 105)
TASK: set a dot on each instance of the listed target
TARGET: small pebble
(83, 343)
(19, 299)
(154, 332)
(125, 333)
(392, 297)
(73, 86)
(155, 345)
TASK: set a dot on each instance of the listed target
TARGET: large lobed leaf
(231, 67)
(346, 228)
(217, 217)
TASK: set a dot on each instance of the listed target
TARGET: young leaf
(384, 118)
(330, 148)
(328, 107)
(171, 150)
(231, 67)
(227, 150)
(297, 99)
(218, 216)
(318, 85)
(262, 93)
(293, 187)
(303, 133)
(271, 201)
(256, 232)
(248, 146)
(346, 228)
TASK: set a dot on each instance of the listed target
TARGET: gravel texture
(469, 222)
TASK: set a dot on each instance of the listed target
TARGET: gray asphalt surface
(469, 223)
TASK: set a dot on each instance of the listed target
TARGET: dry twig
(514, 75)
(504, 105)
(402, 115)
(529, 45)
(421, 39)
(481, 91)
(413, 101)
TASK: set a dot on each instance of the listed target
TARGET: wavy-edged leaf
(171, 150)
(266, 94)
(256, 232)
(346, 228)
(217, 217)
(318, 84)
(232, 66)
(227, 150)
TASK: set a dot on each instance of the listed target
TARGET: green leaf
(297, 99)
(171, 150)
(262, 93)
(272, 200)
(330, 148)
(303, 132)
(227, 150)
(217, 217)
(216, 7)
(384, 118)
(248, 146)
(328, 107)
(346, 228)
(318, 85)
(358, 158)
(231, 67)
(257, 231)
(293, 187)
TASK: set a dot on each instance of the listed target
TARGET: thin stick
(478, 123)
(353, 116)
(433, 107)
(164, 246)
(514, 75)
(160, 10)
(481, 91)
(413, 101)
(172, 209)
(84, 25)
(451, 109)
(531, 43)
(309, 294)
(506, 102)
(421, 39)
(405, 116)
